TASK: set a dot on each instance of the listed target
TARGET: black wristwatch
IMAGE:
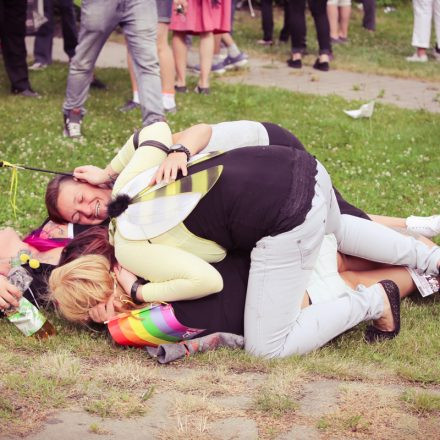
(133, 291)
(179, 148)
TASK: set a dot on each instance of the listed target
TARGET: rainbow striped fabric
(149, 327)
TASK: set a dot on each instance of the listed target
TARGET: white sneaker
(37, 66)
(427, 226)
(415, 58)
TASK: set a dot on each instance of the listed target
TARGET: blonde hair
(78, 286)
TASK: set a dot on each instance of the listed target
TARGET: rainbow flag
(149, 327)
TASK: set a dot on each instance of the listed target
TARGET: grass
(382, 52)
(387, 165)
(422, 402)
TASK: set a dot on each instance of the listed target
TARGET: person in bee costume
(274, 202)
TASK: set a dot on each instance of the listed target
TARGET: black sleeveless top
(262, 191)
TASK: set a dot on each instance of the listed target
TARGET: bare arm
(195, 139)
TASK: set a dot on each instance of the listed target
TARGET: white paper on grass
(364, 111)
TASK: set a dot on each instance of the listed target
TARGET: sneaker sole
(236, 65)
(171, 110)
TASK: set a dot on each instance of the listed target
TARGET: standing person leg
(180, 55)
(318, 9)
(297, 9)
(98, 19)
(266, 22)
(344, 20)
(166, 59)
(284, 33)
(206, 54)
(369, 19)
(421, 37)
(133, 103)
(333, 19)
(68, 24)
(44, 39)
(12, 34)
(139, 23)
(436, 12)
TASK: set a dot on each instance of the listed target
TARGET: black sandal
(372, 333)
(202, 90)
(181, 89)
(323, 66)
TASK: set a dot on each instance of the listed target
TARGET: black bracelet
(133, 292)
(179, 148)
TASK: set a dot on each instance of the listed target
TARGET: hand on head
(91, 174)
(167, 172)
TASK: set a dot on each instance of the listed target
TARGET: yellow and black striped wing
(200, 182)
(158, 211)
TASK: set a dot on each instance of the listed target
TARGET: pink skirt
(203, 16)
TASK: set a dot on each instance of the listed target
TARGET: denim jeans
(281, 266)
(44, 37)
(138, 19)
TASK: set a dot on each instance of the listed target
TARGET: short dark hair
(52, 194)
(94, 241)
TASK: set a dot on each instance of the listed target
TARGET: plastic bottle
(28, 318)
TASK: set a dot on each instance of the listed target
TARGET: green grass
(386, 165)
(422, 402)
(382, 52)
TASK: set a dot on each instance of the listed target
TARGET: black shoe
(323, 67)
(295, 64)
(202, 90)
(28, 93)
(373, 334)
(181, 89)
(129, 106)
(98, 84)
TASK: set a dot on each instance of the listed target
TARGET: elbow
(216, 284)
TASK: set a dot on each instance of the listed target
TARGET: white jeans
(423, 12)
(274, 324)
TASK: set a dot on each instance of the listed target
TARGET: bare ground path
(405, 93)
(250, 406)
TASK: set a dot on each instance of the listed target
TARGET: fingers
(103, 311)
(9, 298)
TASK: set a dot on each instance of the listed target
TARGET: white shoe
(427, 226)
(415, 58)
(37, 66)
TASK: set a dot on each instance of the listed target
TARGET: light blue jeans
(138, 19)
(274, 324)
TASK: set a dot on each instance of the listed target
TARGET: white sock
(168, 100)
(427, 226)
(233, 50)
(217, 59)
(136, 97)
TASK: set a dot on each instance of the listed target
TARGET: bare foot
(386, 321)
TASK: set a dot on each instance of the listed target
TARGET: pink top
(203, 16)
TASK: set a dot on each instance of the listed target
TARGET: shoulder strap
(136, 139)
(155, 144)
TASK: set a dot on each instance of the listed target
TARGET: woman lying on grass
(43, 247)
(275, 203)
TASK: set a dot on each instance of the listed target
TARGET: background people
(44, 36)
(138, 20)
(12, 34)
(424, 12)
